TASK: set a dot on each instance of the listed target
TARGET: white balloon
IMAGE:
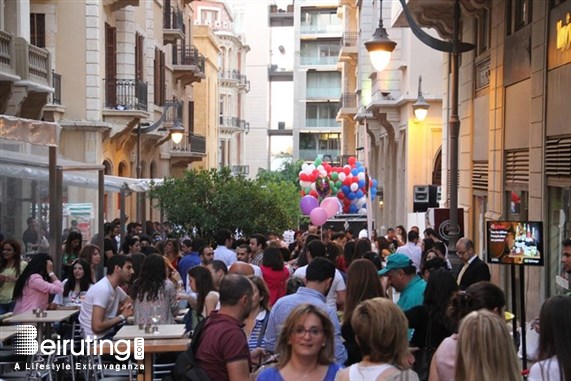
(304, 166)
(302, 183)
(313, 186)
(362, 201)
(354, 187)
(320, 167)
(323, 172)
(311, 167)
(342, 176)
(361, 175)
(362, 211)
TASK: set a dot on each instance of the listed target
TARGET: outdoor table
(166, 331)
(6, 332)
(151, 347)
(52, 316)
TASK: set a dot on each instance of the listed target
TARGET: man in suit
(474, 269)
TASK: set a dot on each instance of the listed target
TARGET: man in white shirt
(412, 250)
(106, 305)
(243, 255)
(222, 251)
(337, 292)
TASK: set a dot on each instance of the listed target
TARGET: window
(139, 56)
(518, 14)
(320, 21)
(38, 29)
(559, 228)
(323, 84)
(483, 31)
(159, 79)
(110, 65)
(322, 52)
(321, 114)
(191, 116)
(311, 145)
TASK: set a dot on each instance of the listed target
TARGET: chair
(97, 372)
(161, 369)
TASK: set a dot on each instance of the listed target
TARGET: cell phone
(410, 334)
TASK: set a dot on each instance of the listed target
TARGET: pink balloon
(318, 216)
(330, 205)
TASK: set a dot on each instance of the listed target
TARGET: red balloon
(351, 160)
(354, 179)
(314, 194)
(347, 170)
(340, 195)
(347, 181)
(304, 177)
(312, 177)
(302, 193)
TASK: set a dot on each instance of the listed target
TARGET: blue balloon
(361, 169)
(355, 171)
(375, 183)
(352, 196)
(359, 194)
(358, 164)
(361, 183)
(353, 209)
(345, 189)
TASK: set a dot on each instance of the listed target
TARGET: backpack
(186, 367)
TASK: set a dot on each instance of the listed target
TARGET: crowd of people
(328, 306)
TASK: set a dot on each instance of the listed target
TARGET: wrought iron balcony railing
(188, 55)
(55, 97)
(125, 94)
(173, 19)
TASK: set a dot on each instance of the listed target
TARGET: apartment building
(114, 66)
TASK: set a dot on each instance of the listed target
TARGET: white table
(6, 332)
(52, 316)
(166, 331)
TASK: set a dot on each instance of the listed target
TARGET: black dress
(353, 350)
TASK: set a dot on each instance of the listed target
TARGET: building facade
(515, 136)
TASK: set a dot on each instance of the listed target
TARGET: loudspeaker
(425, 196)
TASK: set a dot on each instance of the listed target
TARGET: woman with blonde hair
(305, 348)
(485, 349)
(381, 331)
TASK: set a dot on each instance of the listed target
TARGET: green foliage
(289, 172)
(211, 200)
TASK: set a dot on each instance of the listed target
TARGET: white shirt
(337, 285)
(545, 370)
(225, 255)
(101, 294)
(413, 252)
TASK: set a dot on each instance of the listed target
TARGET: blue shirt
(413, 294)
(284, 306)
(273, 374)
(186, 263)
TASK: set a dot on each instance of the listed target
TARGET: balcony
(188, 64)
(280, 17)
(231, 124)
(173, 25)
(240, 170)
(7, 57)
(347, 105)
(323, 93)
(234, 78)
(321, 122)
(349, 48)
(54, 110)
(321, 29)
(117, 5)
(194, 146)
(125, 94)
(277, 74)
(33, 65)
(311, 154)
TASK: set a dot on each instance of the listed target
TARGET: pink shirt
(445, 358)
(36, 294)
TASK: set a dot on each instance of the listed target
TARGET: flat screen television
(515, 242)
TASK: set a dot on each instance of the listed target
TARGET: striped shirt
(256, 331)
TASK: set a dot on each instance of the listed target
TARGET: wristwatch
(123, 318)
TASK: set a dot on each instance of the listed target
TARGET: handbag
(186, 367)
(423, 356)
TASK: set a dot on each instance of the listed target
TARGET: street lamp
(380, 46)
(455, 47)
(176, 133)
(420, 107)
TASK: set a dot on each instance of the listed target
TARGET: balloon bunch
(340, 188)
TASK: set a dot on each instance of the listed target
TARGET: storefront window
(559, 229)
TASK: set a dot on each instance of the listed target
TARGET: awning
(35, 167)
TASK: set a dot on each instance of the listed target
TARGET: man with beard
(222, 351)
(106, 305)
(318, 280)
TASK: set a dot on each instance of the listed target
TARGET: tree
(211, 200)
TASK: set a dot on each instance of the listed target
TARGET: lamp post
(420, 107)
(455, 47)
(176, 133)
